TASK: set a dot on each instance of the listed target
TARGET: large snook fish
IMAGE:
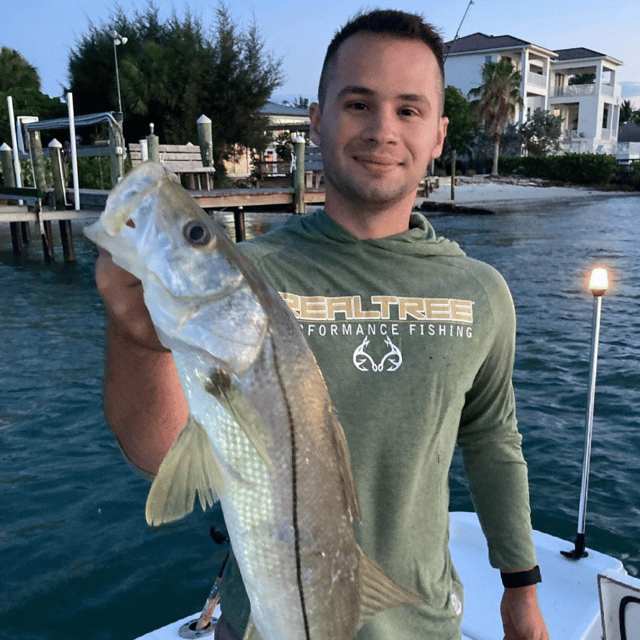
(262, 435)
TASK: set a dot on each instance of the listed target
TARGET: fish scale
(262, 435)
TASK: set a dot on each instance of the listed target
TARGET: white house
(590, 112)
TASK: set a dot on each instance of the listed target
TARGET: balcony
(574, 91)
(537, 80)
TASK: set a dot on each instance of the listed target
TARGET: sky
(298, 32)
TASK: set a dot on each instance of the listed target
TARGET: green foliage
(541, 133)
(94, 173)
(464, 125)
(20, 80)
(301, 102)
(16, 72)
(497, 99)
(635, 179)
(627, 111)
(283, 147)
(172, 72)
(574, 168)
(582, 78)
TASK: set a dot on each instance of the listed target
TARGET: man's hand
(121, 293)
(521, 615)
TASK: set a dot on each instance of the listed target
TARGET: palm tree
(497, 99)
(626, 111)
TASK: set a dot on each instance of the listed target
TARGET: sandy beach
(498, 194)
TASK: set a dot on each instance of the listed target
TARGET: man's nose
(383, 126)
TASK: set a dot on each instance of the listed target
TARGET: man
(415, 340)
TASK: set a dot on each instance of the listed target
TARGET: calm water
(77, 559)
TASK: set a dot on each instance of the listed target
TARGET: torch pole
(598, 289)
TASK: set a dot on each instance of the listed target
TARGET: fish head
(195, 291)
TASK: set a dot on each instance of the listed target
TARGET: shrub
(577, 168)
(469, 173)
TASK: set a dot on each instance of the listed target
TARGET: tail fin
(380, 591)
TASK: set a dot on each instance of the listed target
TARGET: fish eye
(196, 233)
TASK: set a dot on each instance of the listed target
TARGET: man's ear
(316, 118)
(443, 124)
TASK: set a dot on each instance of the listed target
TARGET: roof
(629, 132)
(578, 53)
(481, 42)
(273, 109)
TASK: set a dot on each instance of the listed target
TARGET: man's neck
(367, 222)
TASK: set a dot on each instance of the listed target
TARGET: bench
(183, 159)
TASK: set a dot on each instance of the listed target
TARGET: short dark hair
(389, 22)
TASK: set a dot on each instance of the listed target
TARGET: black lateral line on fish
(294, 492)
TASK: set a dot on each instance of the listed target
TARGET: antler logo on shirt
(391, 361)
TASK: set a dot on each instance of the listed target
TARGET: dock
(93, 201)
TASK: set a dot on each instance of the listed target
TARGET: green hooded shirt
(416, 344)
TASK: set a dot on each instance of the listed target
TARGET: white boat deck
(568, 593)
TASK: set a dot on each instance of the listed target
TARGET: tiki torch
(598, 285)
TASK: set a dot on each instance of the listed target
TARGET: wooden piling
(298, 183)
(66, 233)
(37, 160)
(205, 138)
(453, 174)
(238, 222)
(153, 146)
(116, 146)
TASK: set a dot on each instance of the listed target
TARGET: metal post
(598, 289)
(74, 153)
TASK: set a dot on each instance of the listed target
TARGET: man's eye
(357, 106)
(408, 112)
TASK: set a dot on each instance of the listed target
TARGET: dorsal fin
(379, 591)
(189, 468)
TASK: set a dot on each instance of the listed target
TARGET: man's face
(380, 124)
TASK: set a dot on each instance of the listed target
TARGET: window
(605, 117)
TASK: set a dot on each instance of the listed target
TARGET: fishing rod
(458, 31)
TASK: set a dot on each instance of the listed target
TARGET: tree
(497, 99)
(626, 111)
(172, 72)
(464, 125)
(16, 72)
(301, 103)
(21, 81)
(541, 133)
(582, 78)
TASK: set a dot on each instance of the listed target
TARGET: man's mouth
(381, 163)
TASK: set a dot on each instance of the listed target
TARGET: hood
(419, 239)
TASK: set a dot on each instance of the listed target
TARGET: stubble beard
(372, 194)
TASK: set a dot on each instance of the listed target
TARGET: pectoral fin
(380, 591)
(189, 468)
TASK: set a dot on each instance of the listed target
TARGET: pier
(92, 202)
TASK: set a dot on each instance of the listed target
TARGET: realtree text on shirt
(416, 343)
